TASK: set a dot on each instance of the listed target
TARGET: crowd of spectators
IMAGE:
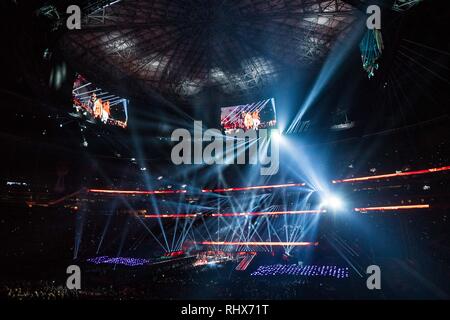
(36, 290)
(206, 282)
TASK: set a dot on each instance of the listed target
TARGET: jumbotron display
(96, 105)
(251, 116)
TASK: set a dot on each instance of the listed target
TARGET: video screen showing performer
(251, 116)
(96, 105)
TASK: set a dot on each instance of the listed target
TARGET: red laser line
(233, 214)
(387, 208)
(109, 191)
(391, 175)
(252, 243)
(171, 215)
(243, 214)
(286, 185)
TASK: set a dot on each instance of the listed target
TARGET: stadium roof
(178, 47)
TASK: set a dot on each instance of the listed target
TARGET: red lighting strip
(245, 214)
(391, 175)
(171, 215)
(415, 206)
(233, 214)
(287, 185)
(251, 243)
(109, 191)
(272, 213)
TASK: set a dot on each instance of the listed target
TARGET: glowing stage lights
(393, 175)
(276, 135)
(332, 202)
(269, 213)
(171, 215)
(131, 262)
(394, 208)
(234, 214)
(305, 271)
(135, 192)
(258, 243)
(273, 186)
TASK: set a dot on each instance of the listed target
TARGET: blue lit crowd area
(317, 148)
(305, 271)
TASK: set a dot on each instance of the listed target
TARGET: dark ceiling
(177, 48)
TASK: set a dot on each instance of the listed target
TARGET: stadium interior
(360, 118)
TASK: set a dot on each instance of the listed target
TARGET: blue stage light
(332, 202)
(276, 135)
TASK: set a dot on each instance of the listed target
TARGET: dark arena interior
(225, 150)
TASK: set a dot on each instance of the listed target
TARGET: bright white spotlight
(276, 135)
(332, 202)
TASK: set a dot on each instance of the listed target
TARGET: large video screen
(253, 116)
(95, 105)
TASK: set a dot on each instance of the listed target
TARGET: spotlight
(276, 135)
(332, 202)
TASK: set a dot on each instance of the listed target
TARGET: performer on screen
(98, 108)
(105, 111)
(248, 121)
(91, 102)
(241, 121)
(256, 120)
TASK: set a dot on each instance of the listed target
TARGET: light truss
(403, 5)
